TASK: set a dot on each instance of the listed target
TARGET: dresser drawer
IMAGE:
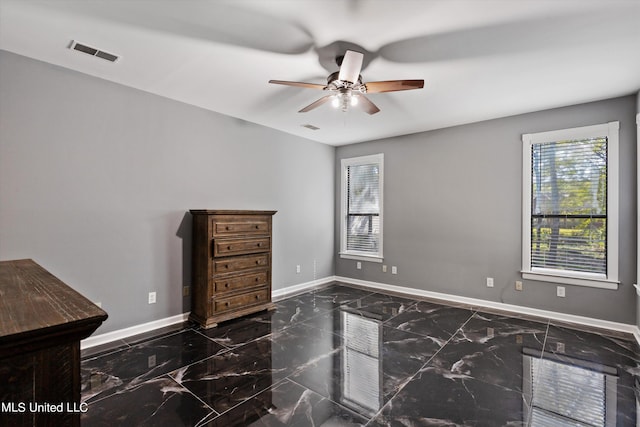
(237, 225)
(238, 264)
(250, 298)
(240, 282)
(224, 247)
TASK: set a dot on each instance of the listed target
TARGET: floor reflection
(342, 356)
(361, 362)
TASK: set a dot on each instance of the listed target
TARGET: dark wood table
(42, 321)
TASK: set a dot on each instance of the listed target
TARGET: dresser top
(34, 301)
(229, 212)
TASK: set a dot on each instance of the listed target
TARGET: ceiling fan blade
(368, 106)
(316, 104)
(393, 85)
(351, 66)
(298, 84)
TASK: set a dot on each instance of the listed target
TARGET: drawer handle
(259, 244)
(226, 285)
(257, 227)
(226, 304)
(227, 228)
(257, 296)
(226, 266)
(228, 248)
(257, 279)
(258, 262)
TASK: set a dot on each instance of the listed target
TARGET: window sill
(359, 257)
(595, 282)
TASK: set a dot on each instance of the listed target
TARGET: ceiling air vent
(312, 127)
(93, 51)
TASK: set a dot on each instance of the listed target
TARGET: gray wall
(96, 179)
(638, 240)
(452, 211)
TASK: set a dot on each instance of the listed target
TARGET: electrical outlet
(359, 265)
(384, 268)
(490, 333)
(394, 269)
(560, 347)
(560, 292)
(489, 282)
(518, 285)
(297, 269)
(151, 361)
(185, 291)
(152, 297)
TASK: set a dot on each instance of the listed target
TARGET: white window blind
(363, 211)
(569, 205)
(362, 206)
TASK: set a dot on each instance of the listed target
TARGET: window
(570, 206)
(361, 206)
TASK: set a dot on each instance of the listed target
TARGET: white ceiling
(480, 59)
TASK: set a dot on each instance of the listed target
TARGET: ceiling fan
(347, 89)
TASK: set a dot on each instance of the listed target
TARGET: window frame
(355, 161)
(610, 280)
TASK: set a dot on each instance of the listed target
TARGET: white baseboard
(119, 334)
(517, 309)
(302, 287)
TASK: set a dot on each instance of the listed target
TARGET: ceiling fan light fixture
(346, 89)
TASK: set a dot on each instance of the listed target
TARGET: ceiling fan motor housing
(334, 83)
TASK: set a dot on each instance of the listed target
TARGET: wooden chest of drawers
(231, 264)
(42, 321)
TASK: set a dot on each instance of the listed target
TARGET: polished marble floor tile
(431, 320)
(490, 350)
(157, 402)
(292, 311)
(382, 306)
(228, 379)
(382, 370)
(337, 295)
(237, 332)
(104, 375)
(289, 404)
(438, 397)
(343, 356)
